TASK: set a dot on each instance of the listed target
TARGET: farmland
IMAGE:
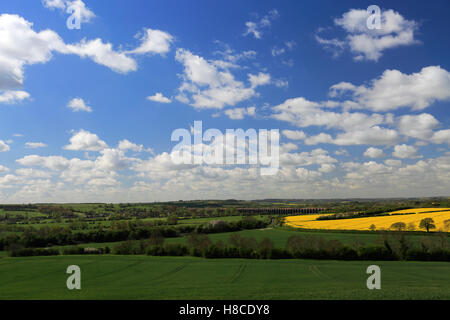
(141, 277)
(412, 217)
(216, 250)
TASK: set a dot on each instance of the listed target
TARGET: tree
(399, 226)
(372, 227)
(199, 241)
(172, 220)
(447, 225)
(156, 238)
(427, 223)
(266, 244)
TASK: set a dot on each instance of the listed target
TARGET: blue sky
(361, 113)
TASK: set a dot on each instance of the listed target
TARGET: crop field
(280, 236)
(439, 215)
(421, 210)
(142, 277)
(140, 251)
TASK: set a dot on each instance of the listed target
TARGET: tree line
(394, 247)
(60, 236)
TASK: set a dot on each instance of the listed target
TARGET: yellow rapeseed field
(421, 210)
(439, 215)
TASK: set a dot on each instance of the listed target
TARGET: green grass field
(143, 277)
(279, 237)
(107, 223)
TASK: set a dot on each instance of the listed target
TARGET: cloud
(102, 171)
(442, 136)
(374, 153)
(404, 152)
(127, 145)
(336, 46)
(393, 177)
(260, 79)
(277, 51)
(394, 90)
(327, 168)
(77, 7)
(255, 28)
(21, 46)
(370, 136)
(54, 163)
(418, 126)
(294, 134)
(370, 44)
(159, 97)
(32, 173)
(209, 85)
(13, 96)
(85, 141)
(305, 159)
(103, 54)
(307, 175)
(393, 162)
(35, 145)
(288, 45)
(304, 113)
(232, 57)
(391, 91)
(281, 83)
(4, 146)
(154, 41)
(358, 128)
(341, 152)
(313, 174)
(375, 135)
(240, 113)
(339, 88)
(54, 4)
(112, 160)
(78, 104)
(320, 138)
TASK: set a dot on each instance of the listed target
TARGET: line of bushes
(396, 246)
(31, 252)
(297, 247)
(60, 236)
(81, 250)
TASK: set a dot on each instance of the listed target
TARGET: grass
(142, 277)
(92, 224)
(279, 237)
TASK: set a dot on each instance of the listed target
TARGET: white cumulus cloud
(374, 153)
(159, 97)
(394, 90)
(154, 41)
(370, 44)
(85, 141)
(35, 145)
(78, 104)
(4, 146)
(405, 152)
